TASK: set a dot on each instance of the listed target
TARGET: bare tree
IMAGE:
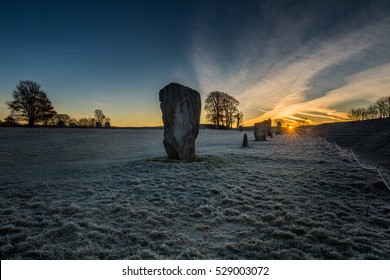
(62, 120)
(83, 122)
(229, 106)
(99, 116)
(383, 105)
(30, 103)
(239, 118)
(372, 112)
(91, 122)
(72, 122)
(358, 114)
(213, 107)
(302, 120)
(379, 110)
(10, 121)
(221, 108)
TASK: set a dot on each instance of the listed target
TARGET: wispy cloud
(283, 70)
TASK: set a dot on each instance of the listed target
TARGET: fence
(376, 168)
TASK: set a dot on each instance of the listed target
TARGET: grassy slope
(369, 139)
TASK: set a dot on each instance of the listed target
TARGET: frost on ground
(109, 194)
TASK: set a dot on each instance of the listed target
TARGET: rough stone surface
(180, 107)
(260, 131)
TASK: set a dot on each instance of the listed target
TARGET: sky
(280, 59)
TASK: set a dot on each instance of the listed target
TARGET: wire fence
(376, 168)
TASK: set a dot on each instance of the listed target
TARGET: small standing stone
(269, 128)
(279, 128)
(245, 141)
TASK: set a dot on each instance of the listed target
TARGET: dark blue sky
(279, 58)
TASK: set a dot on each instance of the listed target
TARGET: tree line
(379, 110)
(31, 104)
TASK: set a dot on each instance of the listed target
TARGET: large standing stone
(260, 131)
(180, 108)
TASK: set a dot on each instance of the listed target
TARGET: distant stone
(180, 107)
(269, 128)
(260, 131)
(245, 141)
(279, 128)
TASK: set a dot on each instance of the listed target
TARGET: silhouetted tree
(380, 109)
(372, 112)
(358, 114)
(10, 121)
(239, 118)
(229, 106)
(30, 103)
(213, 107)
(99, 116)
(302, 120)
(91, 122)
(72, 122)
(62, 120)
(221, 108)
(383, 105)
(83, 122)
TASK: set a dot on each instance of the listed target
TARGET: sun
(290, 135)
(290, 128)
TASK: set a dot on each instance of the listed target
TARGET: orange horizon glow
(156, 121)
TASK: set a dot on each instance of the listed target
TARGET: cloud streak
(278, 66)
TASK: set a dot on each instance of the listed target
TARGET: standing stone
(269, 128)
(180, 107)
(260, 131)
(245, 141)
(279, 128)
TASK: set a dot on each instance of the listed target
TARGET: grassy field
(291, 197)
